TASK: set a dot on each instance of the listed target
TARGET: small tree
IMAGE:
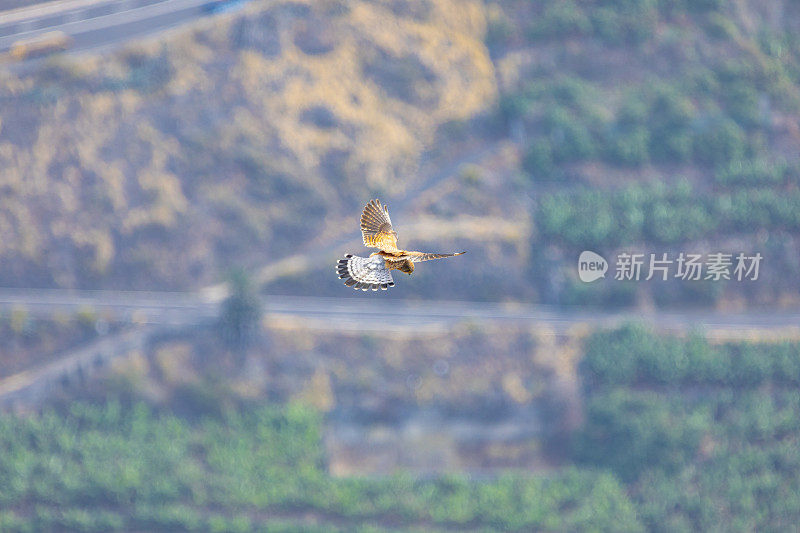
(241, 312)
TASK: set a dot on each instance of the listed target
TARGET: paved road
(160, 313)
(372, 312)
(141, 307)
(96, 23)
(368, 311)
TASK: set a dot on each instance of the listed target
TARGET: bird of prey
(375, 272)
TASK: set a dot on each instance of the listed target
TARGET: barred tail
(364, 273)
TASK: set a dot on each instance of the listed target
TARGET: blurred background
(178, 178)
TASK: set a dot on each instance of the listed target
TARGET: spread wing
(416, 257)
(364, 272)
(376, 227)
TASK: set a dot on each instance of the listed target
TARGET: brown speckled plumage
(374, 272)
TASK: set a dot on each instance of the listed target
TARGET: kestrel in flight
(375, 272)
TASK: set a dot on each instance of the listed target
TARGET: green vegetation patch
(704, 436)
(634, 356)
(113, 468)
(662, 214)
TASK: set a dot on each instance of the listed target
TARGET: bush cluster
(704, 436)
(114, 468)
(658, 213)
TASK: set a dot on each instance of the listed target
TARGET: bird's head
(407, 267)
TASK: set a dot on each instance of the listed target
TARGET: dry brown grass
(226, 143)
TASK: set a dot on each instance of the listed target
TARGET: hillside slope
(227, 144)
(523, 132)
(656, 127)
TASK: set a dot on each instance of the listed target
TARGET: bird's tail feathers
(364, 273)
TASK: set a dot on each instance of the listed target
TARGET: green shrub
(630, 22)
(574, 93)
(632, 433)
(513, 106)
(570, 138)
(629, 148)
(585, 219)
(607, 25)
(719, 26)
(634, 355)
(702, 6)
(656, 213)
(13, 523)
(752, 172)
(677, 215)
(741, 101)
(720, 142)
(498, 30)
(560, 19)
(759, 208)
(670, 117)
(538, 160)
